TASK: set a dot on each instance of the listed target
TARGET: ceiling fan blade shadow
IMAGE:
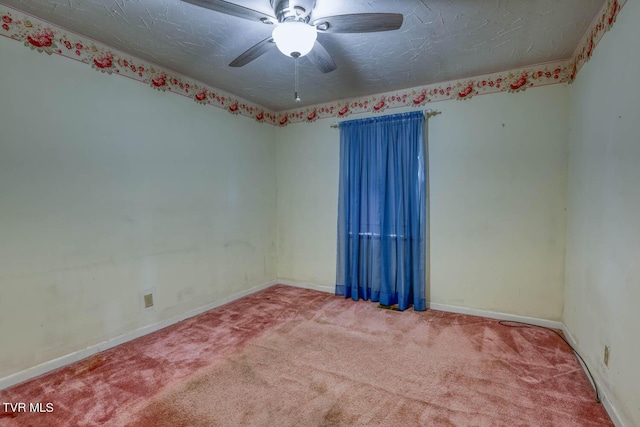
(253, 52)
(321, 58)
(232, 9)
(359, 23)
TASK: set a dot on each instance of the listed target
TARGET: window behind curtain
(382, 210)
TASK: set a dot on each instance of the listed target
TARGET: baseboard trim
(496, 315)
(605, 393)
(76, 356)
(303, 285)
(441, 307)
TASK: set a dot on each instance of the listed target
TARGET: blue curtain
(382, 210)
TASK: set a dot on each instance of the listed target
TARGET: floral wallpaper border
(602, 23)
(564, 71)
(44, 37)
(463, 89)
(50, 39)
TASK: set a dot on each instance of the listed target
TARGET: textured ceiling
(440, 40)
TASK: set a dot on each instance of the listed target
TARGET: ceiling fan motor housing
(295, 35)
(293, 10)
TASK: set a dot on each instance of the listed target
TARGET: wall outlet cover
(148, 300)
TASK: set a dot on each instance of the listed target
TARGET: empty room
(311, 212)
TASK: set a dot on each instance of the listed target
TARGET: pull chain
(296, 97)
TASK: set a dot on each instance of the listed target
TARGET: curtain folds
(382, 210)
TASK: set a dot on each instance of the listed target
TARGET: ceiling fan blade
(253, 52)
(359, 23)
(233, 9)
(321, 58)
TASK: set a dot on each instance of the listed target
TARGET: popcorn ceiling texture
(171, 33)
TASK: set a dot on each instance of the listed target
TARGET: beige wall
(307, 171)
(108, 188)
(497, 206)
(603, 235)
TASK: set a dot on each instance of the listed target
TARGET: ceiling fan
(295, 28)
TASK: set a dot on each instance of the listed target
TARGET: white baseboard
(442, 307)
(321, 288)
(496, 315)
(604, 392)
(70, 358)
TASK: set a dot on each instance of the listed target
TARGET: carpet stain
(319, 388)
(337, 417)
(196, 384)
(90, 364)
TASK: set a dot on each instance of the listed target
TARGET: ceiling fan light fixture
(294, 39)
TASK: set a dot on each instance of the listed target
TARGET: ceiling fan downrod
(296, 97)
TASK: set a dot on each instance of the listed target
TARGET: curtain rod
(428, 113)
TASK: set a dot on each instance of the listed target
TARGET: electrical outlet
(606, 356)
(148, 300)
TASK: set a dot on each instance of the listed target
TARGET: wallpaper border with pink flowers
(47, 38)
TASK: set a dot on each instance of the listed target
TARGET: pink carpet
(288, 356)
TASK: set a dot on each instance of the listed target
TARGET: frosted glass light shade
(291, 37)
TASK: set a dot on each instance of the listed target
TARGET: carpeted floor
(287, 356)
